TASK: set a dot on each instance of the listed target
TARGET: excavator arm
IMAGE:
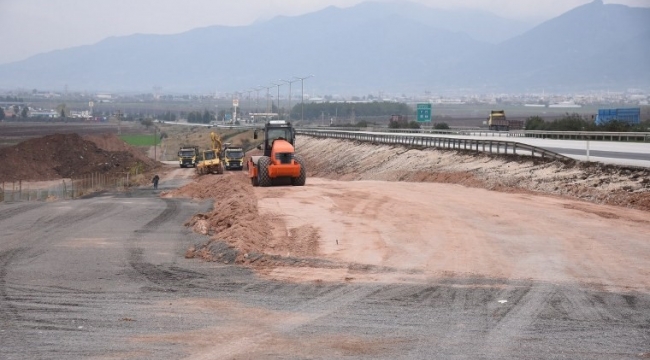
(216, 141)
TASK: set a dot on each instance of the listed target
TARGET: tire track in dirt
(169, 278)
(9, 213)
(520, 314)
(8, 312)
(52, 307)
(319, 303)
(498, 317)
(76, 215)
(33, 306)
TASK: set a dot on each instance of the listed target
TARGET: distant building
(44, 113)
(85, 114)
(565, 105)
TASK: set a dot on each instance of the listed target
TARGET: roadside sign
(424, 112)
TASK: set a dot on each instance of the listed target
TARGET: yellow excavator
(211, 161)
(216, 141)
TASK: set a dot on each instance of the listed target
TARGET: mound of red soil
(68, 156)
(235, 218)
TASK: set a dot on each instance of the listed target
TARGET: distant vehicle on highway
(497, 121)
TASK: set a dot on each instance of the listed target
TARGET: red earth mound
(235, 218)
(69, 156)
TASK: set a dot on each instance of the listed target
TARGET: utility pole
(250, 109)
(155, 143)
(257, 100)
(278, 85)
(119, 122)
(267, 102)
(289, 82)
(302, 96)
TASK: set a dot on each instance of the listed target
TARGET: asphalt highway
(608, 152)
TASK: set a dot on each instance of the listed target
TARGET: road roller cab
(279, 164)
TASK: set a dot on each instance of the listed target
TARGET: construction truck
(497, 121)
(233, 157)
(210, 163)
(279, 164)
(188, 156)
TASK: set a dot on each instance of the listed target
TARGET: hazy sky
(29, 27)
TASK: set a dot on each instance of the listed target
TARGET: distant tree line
(576, 122)
(346, 110)
(17, 112)
(358, 124)
(395, 122)
(11, 99)
(168, 116)
(402, 122)
(222, 113)
(147, 122)
(198, 117)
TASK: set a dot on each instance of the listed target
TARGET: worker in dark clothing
(155, 181)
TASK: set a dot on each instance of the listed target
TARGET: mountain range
(374, 46)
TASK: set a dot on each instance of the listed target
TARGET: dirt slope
(436, 217)
(622, 186)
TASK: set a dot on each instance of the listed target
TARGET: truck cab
(188, 156)
(277, 130)
(233, 158)
(497, 121)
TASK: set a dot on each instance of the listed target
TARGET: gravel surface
(364, 269)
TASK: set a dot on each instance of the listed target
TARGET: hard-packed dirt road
(420, 231)
(426, 270)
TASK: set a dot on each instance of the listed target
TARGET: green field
(140, 140)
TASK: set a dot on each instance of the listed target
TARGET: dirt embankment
(70, 156)
(235, 220)
(249, 236)
(603, 184)
(328, 226)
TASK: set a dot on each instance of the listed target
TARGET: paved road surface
(610, 152)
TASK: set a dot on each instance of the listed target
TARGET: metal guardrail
(500, 147)
(567, 135)
(587, 135)
(562, 135)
